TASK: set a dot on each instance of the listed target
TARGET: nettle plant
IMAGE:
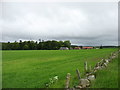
(51, 81)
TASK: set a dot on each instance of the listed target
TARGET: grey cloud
(82, 23)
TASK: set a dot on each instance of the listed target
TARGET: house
(87, 47)
(77, 48)
(97, 48)
(71, 48)
(64, 48)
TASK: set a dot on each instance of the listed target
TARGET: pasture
(107, 78)
(33, 68)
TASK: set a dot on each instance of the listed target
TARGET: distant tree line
(35, 45)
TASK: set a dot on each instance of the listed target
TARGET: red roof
(77, 48)
(87, 47)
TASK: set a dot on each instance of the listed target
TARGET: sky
(83, 23)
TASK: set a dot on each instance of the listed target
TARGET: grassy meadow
(108, 77)
(33, 68)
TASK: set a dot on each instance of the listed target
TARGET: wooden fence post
(67, 80)
(111, 54)
(78, 73)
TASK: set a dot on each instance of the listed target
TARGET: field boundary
(90, 74)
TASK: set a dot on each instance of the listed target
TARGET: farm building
(71, 48)
(97, 48)
(64, 48)
(87, 47)
(77, 48)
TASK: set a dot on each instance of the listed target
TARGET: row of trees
(34, 45)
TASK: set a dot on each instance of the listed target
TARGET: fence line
(90, 74)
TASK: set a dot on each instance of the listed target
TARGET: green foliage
(26, 47)
(33, 68)
(51, 81)
(67, 44)
(101, 47)
(31, 45)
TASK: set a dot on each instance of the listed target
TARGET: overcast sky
(82, 23)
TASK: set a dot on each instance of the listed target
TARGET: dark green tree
(25, 47)
(67, 44)
(101, 47)
(31, 45)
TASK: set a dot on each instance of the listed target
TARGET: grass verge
(108, 77)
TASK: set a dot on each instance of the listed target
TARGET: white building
(64, 48)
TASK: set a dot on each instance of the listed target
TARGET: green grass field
(33, 68)
(108, 77)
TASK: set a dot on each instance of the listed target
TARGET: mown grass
(33, 68)
(108, 77)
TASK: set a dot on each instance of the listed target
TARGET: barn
(64, 48)
(87, 47)
(77, 48)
